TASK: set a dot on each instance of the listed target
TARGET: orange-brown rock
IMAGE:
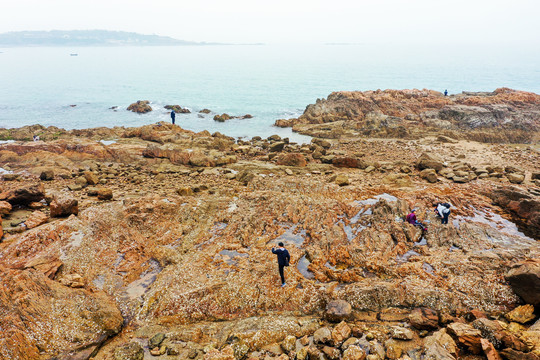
(64, 205)
(349, 162)
(489, 350)
(521, 314)
(424, 318)
(523, 205)
(104, 194)
(340, 333)
(24, 195)
(69, 319)
(35, 219)
(141, 107)
(397, 113)
(5, 208)
(466, 336)
(525, 280)
(512, 354)
(291, 159)
(91, 178)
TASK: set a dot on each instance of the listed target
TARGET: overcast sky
(289, 21)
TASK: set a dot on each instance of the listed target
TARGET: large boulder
(467, 336)
(341, 332)
(525, 281)
(104, 194)
(24, 195)
(440, 346)
(291, 159)
(322, 336)
(349, 162)
(430, 175)
(342, 180)
(424, 318)
(141, 107)
(429, 161)
(277, 146)
(5, 208)
(515, 178)
(64, 205)
(222, 117)
(91, 178)
(521, 314)
(354, 352)
(338, 310)
(177, 109)
(47, 175)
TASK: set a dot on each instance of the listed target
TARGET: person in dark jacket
(445, 213)
(173, 116)
(283, 259)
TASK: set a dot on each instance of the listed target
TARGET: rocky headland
(501, 116)
(154, 242)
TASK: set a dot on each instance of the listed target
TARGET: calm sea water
(38, 85)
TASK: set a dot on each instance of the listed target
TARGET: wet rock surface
(162, 246)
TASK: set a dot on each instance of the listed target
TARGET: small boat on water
(73, 54)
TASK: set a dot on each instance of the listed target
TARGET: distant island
(89, 38)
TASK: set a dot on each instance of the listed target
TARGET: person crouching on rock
(411, 219)
(283, 259)
(442, 210)
(445, 213)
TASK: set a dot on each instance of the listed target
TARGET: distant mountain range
(89, 38)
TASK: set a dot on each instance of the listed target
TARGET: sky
(290, 21)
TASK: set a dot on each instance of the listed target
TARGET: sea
(86, 87)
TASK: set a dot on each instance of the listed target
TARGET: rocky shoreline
(153, 242)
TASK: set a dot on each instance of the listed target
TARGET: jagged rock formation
(504, 115)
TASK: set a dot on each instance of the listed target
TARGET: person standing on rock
(173, 116)
(445, 92)
(283, 259)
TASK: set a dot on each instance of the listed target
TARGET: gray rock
(156, 340)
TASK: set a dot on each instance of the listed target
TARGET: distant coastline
(59, 38)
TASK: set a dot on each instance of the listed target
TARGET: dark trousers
(173, 121)
(445, 219)
(281, 274)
